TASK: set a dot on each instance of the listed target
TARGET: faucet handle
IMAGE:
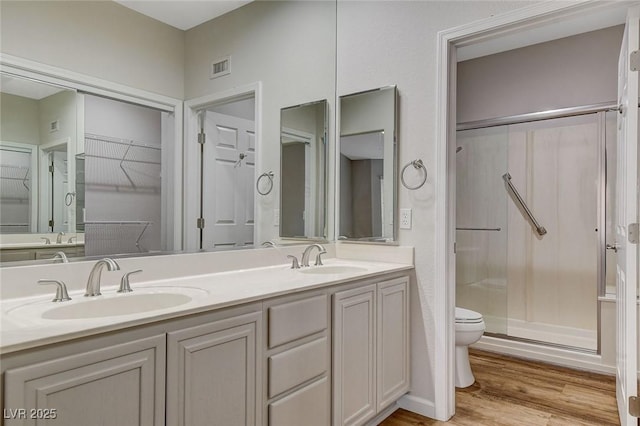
(294, 261)
(60, 255)
(46, 240)
(124, 282)
(61, 290)
(319, 258)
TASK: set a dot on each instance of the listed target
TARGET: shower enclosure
(532, 222)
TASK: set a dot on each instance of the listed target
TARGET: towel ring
(268, 175)
(417, 164)
(68, 199)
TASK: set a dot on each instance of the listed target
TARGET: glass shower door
(481, 225)
(553, 278)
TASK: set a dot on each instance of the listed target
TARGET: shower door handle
(613, 247)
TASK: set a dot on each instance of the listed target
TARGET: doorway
(521, 28)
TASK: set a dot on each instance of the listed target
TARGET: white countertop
(38, 245)
(22, 326)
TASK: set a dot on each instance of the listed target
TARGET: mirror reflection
(120, 177)
(37, 171)
(303, 154)
(368, 165)
(125, 186)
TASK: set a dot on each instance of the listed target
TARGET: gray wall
(293, 183)
(572, 71)
(98, 38)
(19, 119)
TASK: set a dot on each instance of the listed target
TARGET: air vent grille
(220, 67)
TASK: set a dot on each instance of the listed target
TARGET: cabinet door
(354, 355)
(392, 341)
(115, 386)
(308, 406)
(212, 371)
(16, 255)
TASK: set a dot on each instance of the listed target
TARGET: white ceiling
(183, 14)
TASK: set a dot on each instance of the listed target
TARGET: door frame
(44, 195)
(503, 32)
(191, 205)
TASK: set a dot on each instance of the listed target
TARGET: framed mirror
(368, 166)
(37, 170)
(303, 170)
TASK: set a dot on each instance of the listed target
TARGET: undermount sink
(110, 304)
(332, 269)
(125, 305)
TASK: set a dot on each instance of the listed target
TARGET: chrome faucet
(60, 255)
(93, 283)
(307, 252)
(59, 237)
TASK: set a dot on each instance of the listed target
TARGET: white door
(627, 213)
(228, 181)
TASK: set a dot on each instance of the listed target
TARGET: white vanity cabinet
(113, 386)
(297, 359)
(370, 349)
(213, 371)
(330, 356)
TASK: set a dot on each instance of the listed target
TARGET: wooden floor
(509, 391)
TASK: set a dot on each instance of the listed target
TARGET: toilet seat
(467, 316)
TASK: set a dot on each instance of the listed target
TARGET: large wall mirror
(303, 170)
(368, 171)
(119, 193)
(37, 173)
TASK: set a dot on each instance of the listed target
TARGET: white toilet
(469, 329)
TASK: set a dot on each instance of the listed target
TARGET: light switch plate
(405, 218)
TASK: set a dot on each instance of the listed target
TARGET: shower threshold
(542, 343)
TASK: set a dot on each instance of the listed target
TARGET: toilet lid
(467, 316)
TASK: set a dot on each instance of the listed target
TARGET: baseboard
(418, 405)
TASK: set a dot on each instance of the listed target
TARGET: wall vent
(54, 126)
(220, 67)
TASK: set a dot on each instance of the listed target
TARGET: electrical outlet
(276, 217)
(405, 218)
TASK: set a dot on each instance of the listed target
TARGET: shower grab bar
(478, 229)
(539, 228)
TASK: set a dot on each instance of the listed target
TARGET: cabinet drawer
(295, 366)
(294, 320)
(308, 406)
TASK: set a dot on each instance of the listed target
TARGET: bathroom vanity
(269, 345)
